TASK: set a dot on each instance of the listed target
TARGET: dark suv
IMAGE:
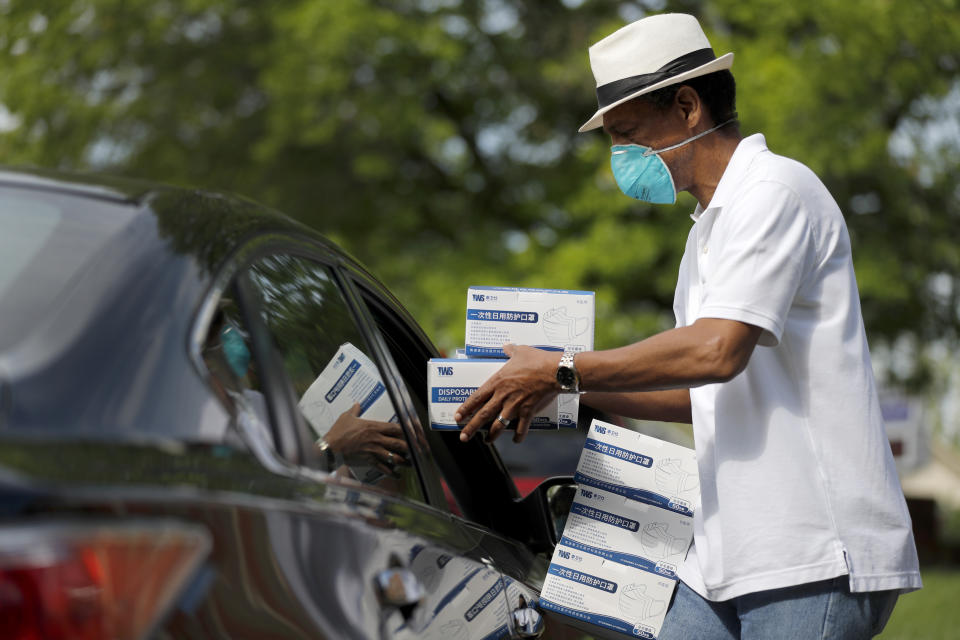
(158, 465)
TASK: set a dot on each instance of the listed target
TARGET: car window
(542, 455)
(47, 238)
(234, 376)
(338, 386)
(410, 359)
(472, 477)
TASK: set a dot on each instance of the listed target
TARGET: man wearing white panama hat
(802, 530)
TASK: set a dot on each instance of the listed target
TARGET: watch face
(565, 376)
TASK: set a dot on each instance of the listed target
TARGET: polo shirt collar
(742, 157)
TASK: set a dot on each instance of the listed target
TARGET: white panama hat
(647, 55)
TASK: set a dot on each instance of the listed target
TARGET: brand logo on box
(590, 494)
(483, 297)
(445, 371)
(566, 555)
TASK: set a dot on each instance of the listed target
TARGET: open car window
(473, 479)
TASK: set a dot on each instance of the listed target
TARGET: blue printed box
(633, 533)
(636, 466)
(451, 381)
(598, 594)
(627, 533)
(553, 319)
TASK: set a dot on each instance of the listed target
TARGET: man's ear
(689, 106)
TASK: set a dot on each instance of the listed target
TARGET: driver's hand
(368, 442)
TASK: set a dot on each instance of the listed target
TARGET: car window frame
(427, 471)
(288, 451)
(289, 429)
(490, 507)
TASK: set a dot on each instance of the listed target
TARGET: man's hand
(526, 383)
(367, 442)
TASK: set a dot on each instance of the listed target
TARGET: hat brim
(723, 62)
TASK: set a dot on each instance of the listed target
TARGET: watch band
(567, 375)
(329, 454)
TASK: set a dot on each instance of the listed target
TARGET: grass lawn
(933, 613)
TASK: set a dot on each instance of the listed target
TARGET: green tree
(436, 139)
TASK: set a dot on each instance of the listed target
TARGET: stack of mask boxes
(551, 319)
(628, 530)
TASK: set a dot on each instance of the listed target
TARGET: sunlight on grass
(931, 613)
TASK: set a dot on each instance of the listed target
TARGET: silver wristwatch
(567, 375)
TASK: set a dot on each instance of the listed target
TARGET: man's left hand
(525, 384)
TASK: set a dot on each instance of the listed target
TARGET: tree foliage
(436, 139)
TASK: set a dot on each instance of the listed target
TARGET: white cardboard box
(554, 319)
(594, 592)
(633, 533)
(628, 530)
(451, 381)
(639, 467)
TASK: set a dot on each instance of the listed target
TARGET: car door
(477, 485)
(404, 565)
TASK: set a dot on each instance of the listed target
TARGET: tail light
(81, 581)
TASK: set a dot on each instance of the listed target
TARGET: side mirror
(542, 515)
(559, 500)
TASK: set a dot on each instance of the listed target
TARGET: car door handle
(399, 588)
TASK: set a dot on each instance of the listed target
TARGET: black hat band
(613, 91)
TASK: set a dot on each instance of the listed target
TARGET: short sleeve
(762, 247)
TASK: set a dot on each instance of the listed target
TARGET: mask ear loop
(651, 152)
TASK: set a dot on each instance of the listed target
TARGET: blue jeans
(823, 610)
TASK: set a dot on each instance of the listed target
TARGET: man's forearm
(665, 406)
(706, 352)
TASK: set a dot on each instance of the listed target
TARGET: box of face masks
(546, 318)
(452, 380)
(633, 533)
(597, 594)
(639, 467)
(350, 377)
(628, 530)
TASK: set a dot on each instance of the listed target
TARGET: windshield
(46, 239)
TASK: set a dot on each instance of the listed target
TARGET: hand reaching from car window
(367, 442)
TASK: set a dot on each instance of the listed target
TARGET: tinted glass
(339, 387)
(234, 376)
(46, 239)
(410, 358)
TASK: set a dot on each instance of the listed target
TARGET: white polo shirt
(796, 475)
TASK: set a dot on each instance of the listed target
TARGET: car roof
(140, 292)
(97, 186)
(167, 202)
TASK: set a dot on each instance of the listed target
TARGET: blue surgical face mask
(235, 350)
(641, 173)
